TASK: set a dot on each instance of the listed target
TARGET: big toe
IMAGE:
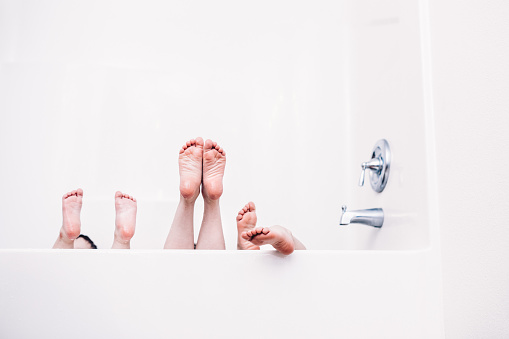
(209, 144)
(199, 142)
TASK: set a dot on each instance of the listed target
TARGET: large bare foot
(214, 161)
(246, 221)
(190, 168)
(71, 208)
(125, 220)
(277, 236)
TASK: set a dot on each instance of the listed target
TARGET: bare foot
(214, 161)
(71, 208)
(125, 220)
(277, 236)
(190, 168)
(246, 221)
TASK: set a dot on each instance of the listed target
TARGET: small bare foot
(277, 236)
(71, 208)
(190, 168)
(214, 162)
(246, 221)
(125, 220)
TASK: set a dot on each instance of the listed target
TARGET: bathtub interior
(102, 95)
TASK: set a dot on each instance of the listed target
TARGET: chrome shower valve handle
(374, 165)
(379, 165)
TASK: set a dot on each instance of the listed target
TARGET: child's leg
(71, 225)
(246, 220)
(181, 235)
(277, 236)
(125, 220)
(211, 231)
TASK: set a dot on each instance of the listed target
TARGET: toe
(252, 206)
(244, 235)
(199, 141)
(239, 217)
(188, 143)
(118, 194)
(208, 144)
(80, 192)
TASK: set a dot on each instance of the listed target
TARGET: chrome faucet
(371, 217)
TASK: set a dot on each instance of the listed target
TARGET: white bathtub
(218, 294)
(101, 95)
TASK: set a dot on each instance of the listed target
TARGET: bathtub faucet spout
(371, 217)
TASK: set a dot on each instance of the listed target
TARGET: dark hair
(88, 240)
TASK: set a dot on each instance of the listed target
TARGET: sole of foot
(214, 162)
(191, 168)
(277, 236)
(246, 221)
(125, 220)
(71, 209)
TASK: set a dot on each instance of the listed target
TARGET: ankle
(209, 201)
(64, 238)
(188, 201)
(118, 240)
(119, 243)
(123, 234)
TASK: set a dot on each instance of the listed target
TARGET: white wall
(101, 95)
(470, 49)
(386, 100)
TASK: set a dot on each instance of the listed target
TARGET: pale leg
(125, 220)
(71, 224)
(246, 220)
(278, 236)
(181, 235)
(211, 231)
